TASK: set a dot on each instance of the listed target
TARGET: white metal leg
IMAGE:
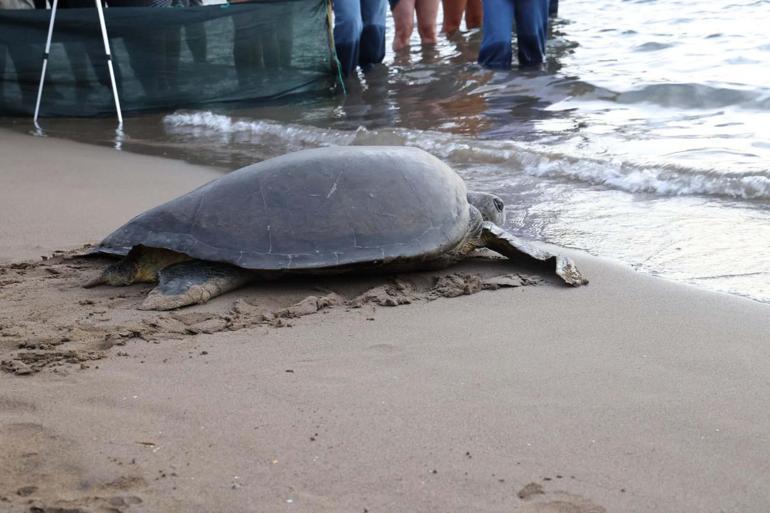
(45, 60)
(109, 60)
(103, 26)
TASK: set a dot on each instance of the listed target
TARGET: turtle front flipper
(194, 282)
(497, 239)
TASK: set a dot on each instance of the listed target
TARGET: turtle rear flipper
(497, 239)
(140, 265)
(194, 282)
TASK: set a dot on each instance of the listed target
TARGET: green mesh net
(166, 58)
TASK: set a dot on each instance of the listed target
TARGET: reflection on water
(646, 139)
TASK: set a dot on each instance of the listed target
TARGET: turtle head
(119, 274)
(491, 207)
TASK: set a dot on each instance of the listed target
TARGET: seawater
(646, 139)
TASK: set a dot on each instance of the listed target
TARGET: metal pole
(45, 61)
(109, 59)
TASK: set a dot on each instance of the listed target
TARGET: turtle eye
(498, 204)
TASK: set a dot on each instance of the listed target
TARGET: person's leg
(453, 15)
(195, 38)
(473, 14)
(495, 51)
(553, 8)
(531, 31)
(372, 46)
(76, 54)
(286, 37)
(2, 71)
(427, 11)
(271, 48)
(194, 33)
(172, 46)
(144, 56)
(347, 33)
(26, 61)
(141, 49)
(245, 46)
(77, 50)
(95, 51)
(93, 47)
(403, 22)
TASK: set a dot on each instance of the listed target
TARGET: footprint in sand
(537, 500)
(44, 472)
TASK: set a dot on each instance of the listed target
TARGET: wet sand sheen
(631, 394)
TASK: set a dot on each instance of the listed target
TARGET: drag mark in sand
(49, 321)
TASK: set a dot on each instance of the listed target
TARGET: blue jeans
(531, 18)
(359, 32)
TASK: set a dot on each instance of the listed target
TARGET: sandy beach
(485, 387)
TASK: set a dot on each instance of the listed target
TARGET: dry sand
(632, 394)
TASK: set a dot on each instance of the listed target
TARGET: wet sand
(485, 387)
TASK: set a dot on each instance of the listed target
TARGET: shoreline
(631, 394)
(736, 269)
(57, 198)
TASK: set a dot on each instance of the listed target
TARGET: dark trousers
(359, 32)
(531, 19)
(89, 52)
(27, 69)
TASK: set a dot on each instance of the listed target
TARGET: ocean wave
(665, 180)
(674, 95)
(514, 157)
(200, 123)
(691, 96)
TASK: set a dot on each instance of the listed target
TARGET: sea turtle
(313, 211)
